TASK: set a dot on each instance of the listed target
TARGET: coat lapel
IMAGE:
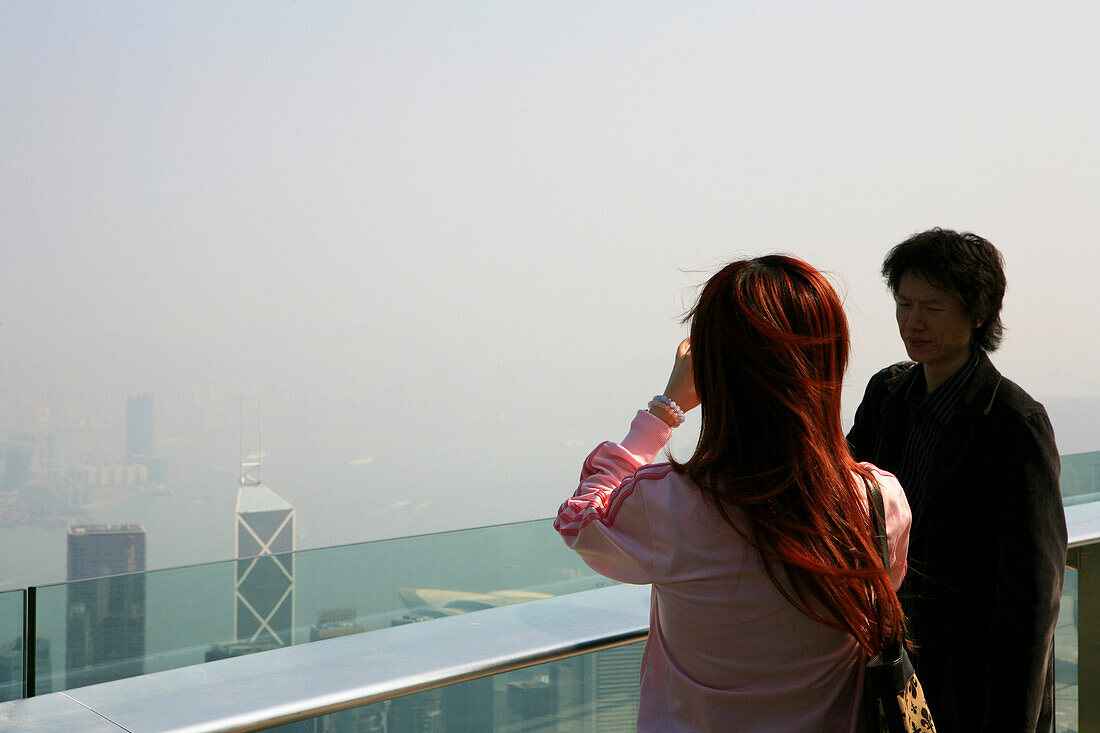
(895, 412)
(958, 435)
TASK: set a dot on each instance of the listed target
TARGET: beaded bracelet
(670, 403)
(672, 410)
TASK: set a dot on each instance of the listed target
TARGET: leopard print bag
(893, 701)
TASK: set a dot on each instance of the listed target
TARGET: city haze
(424, 257)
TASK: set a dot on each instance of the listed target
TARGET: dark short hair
(965, 264)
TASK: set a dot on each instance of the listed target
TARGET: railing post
(30, 639)
(1088, 639)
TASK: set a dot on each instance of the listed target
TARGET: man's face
(933, 324)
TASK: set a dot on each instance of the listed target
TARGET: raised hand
(681, 382)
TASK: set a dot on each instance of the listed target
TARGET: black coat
(987, 550)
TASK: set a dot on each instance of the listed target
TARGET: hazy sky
(454, 211)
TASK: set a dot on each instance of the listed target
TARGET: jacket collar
(958, 433)
(947, 399)
(979, 393)
(982, 389)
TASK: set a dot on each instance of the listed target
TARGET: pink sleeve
(606, 519)
(898, 520)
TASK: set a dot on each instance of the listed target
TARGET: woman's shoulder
(899, 519)
(662, 485)
(675, 499)
(893, 495)
(881, 475)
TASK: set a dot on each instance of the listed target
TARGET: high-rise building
(139, 428)
(105, 629)
(617, 687)
(532, 704)
(466, 706)
(11, 668)
(17, 459)
(264, 595)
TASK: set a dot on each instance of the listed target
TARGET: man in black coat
(977, 458)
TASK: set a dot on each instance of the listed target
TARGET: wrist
(666, 410)
(660, 415)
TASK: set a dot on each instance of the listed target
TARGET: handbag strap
(878, 521)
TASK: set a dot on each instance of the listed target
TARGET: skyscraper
(11, 668)
(617, 686)
(264, 597)
(105, 629)
(139, 428)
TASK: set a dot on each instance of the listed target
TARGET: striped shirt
(929, 414)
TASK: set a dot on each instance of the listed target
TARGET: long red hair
(769, 344)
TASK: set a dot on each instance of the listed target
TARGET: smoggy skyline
(421, 224)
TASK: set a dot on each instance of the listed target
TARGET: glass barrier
(115, 627)
(1080, 483)
(1077, 665)
(109, 628)
(591, 693)
(563, 696)
(1065, 659)
(1080, 478)
(599, 692)
(11, 645)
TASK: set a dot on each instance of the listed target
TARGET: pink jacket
(726, 651)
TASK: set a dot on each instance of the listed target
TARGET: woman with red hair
(768, 589)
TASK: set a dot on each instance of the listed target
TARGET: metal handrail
(282, 686)
(1083, 523)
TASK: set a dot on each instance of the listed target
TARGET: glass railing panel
(110, 628)
(1065, 659)
(115, 627)
(1080, 478)
(1080, 661)
(599, 692)
(11, 645)
(591, 693)
(1080, 484)
(393, 582)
